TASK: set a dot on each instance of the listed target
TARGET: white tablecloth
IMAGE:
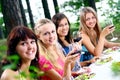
(104, 72)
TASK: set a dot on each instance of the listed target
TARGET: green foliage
(116, 68)
(14, 59)
(113, 12)
(73, 6)
(74, 27)
(3, 48)
(39, 73)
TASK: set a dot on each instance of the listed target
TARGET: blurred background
(28, 12)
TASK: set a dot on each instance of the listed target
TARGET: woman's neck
(25, 67)
(65, 42)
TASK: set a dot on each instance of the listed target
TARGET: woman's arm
(96, 50)
(111, 44)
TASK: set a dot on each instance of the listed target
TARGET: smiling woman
(22, 53)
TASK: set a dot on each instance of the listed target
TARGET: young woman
(94, 39)
(21, 54)
(52, 61)
(63, 31)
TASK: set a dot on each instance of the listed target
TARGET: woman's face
(27, 49)
(90, 20)
(63, 27)
(48, 34)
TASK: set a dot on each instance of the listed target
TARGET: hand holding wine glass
(110, 23)
(76, 38)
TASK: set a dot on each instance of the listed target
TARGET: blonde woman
(94, 39)
(52, 61)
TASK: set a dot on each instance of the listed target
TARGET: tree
(11, 14)
(46, 9)
(90, 3)
(23, 13)
(30, 14)
(73, 6)
(56, 6)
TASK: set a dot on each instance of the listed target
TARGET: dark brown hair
(17, 34)
(56, 20)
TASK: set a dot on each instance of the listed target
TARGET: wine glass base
(114, 39)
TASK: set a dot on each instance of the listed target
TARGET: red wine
(77, 39)
(76, 52)
(111, 27)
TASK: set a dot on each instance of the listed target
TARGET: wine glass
(107, 23)
(76, 36)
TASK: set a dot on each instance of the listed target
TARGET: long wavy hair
(43, 50)
(85, 28)
(56, 20)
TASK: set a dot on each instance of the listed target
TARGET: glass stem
(112, 35)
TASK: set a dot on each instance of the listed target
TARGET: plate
(103, 60)
(108, 51)
(85, 76)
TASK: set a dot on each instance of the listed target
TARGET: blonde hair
(85, 28)
(43, 50)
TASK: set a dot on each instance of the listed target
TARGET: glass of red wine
(76, 36)
(110, 22)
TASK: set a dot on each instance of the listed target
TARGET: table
(104, 72)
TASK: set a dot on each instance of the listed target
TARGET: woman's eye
(93, 17)
(33, 41)
(46, 33)
(53, 31)
(66, 23)
(23, 43)
(87, 19)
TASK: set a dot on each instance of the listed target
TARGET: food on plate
(104, 60)
(108, 51)
(85, 76)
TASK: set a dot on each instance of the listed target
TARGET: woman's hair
(83, 25)
(56, 20)
(17, 34)
(43, 50)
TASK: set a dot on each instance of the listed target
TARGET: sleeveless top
(86, 56)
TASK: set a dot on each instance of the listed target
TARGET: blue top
(87, 55)
(66, 50)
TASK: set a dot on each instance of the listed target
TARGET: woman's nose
(30, 46)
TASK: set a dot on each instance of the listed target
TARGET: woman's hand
(72, 57)
(107, 30)
(94, 59)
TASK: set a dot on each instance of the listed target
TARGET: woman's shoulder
(84, 35)
(7, 74)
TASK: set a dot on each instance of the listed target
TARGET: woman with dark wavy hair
(22, 53)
